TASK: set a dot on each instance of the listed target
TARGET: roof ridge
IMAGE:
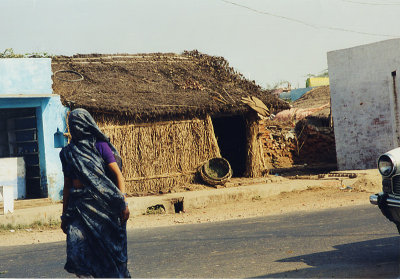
(121, 59)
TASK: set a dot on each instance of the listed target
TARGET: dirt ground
(333, 193)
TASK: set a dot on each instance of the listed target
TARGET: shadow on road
(373, 258)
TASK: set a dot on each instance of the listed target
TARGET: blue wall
(29, 81)
(25, 76)
(53, 114)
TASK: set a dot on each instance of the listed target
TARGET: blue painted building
(295, 94)
(30, 117)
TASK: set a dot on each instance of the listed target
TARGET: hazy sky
(266, 40)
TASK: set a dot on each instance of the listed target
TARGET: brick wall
(285, 145)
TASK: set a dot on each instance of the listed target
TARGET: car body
(389, 199)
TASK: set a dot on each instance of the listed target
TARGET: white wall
(13, 174)
(362, 97)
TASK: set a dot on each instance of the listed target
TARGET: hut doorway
(231, 137)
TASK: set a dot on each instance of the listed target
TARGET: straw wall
(159, 156)
(255, 165)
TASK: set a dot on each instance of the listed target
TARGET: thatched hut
(167, 113)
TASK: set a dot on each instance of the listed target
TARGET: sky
(268, 41)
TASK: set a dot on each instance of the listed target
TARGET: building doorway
(19, 138)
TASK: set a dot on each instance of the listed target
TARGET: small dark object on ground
(338, 174)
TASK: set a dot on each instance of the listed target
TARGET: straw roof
(155, 86)
(316, 97)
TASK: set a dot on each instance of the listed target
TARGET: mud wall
(315, 144)
(287, 145)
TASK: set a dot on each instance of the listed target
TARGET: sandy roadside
(312, 199)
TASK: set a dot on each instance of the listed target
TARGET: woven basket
(216, 171)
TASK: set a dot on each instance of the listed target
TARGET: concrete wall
(25, 76)
(363, 102)
(317, 81)
(26, 83)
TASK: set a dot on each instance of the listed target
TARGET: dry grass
(160, 156)
(157, 86)
(255, 165)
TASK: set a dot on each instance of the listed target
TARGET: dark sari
(96, 236)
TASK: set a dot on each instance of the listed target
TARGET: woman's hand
(125, 214)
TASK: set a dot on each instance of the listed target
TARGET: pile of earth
(292, 141)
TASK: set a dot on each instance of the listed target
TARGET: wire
(68, 71)
(372, 4)
(270, 14)
(310, 24)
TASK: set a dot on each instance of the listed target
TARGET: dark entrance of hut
(19, 139)
(231, 136)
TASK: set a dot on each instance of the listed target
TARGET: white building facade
(365, 87)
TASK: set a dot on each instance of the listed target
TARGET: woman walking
(94, 207)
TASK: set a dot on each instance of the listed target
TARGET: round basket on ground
(216, 171)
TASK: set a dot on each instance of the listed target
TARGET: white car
(389, 199)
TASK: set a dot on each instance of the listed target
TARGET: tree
(278, 84)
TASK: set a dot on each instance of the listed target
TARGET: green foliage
(38, 225)
(155, 209)
(323, 73)
(275, 85)
(38, 55)
(9, 53)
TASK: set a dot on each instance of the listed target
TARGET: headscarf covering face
(83, 127)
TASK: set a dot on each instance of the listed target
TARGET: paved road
(350, 242)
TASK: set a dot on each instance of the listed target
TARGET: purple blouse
(105, 152)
